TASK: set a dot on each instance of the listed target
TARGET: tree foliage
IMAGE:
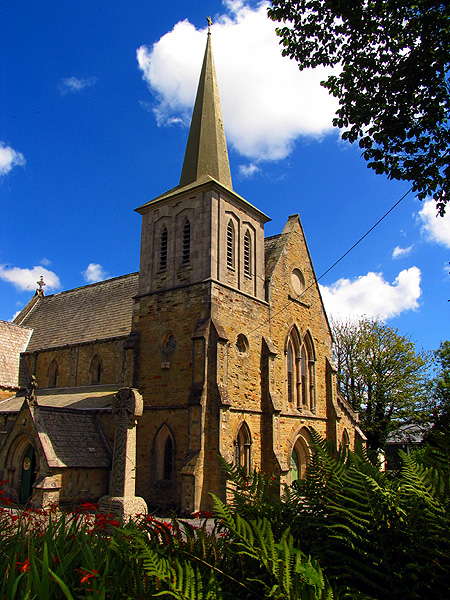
(381, 375)
(393, 88)
(440, 386)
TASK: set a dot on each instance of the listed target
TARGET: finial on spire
(40, 290)
(209, 24)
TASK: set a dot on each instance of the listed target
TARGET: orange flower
(25, 565)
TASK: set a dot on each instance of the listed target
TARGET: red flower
(86, 575)
(25, 565)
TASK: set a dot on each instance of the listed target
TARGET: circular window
(298, 281)
(242, 344)
(167, 342)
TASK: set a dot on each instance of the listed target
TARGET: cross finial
(40, 290)
(209, 24)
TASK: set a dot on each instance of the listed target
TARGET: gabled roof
(98, 311)
(13, 340)
(71, 438)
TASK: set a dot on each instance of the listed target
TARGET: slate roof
(71, 438)
(91, 398)
(92, 312)
(13, 341)
(410, 433)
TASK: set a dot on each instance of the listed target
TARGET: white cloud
(267, 103)
(9, 158)
(402, 252)
(26, 279)
(74, 84)
(46, 262)
(248, 170)
(94, 273)
(435, 228)
(370, 295)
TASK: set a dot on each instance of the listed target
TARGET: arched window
(345, 439)
(186, 242)
(247, 254)
(299, 458)
(243, 449)
(292, 367)
(163, 249)
(164, 454)
(168, 458)
(308, 373)
(95, 370)
(230, 244)
(300, 370)
(52, 374)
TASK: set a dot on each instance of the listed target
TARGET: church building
(222, 334)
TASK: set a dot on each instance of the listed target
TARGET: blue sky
(95, 101)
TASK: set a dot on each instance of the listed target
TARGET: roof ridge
(89, 285)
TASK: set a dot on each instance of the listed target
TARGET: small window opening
(163, 250)
(53, 374)
(95, 370)
(168, 459)
(230, 245)
(186, 242)
(247, 254)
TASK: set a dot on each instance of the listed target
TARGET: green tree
(382, 376)
(393, 84)
(441, 387)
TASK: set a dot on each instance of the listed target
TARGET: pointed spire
(206, 149)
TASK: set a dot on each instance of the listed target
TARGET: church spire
(206, 149)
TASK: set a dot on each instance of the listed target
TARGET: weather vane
(209, 24)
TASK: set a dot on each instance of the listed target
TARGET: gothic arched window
(95, 370)
(243, 444)
(308, 374)
(299, 458)
(164, 454)
(292, 367)
(52, 374)
(230, 244)
(247, 254)
(163, 249)
(186, 242)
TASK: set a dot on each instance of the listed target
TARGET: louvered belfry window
(230, 245)
(247, 254)
(163, 250)
(186, 242)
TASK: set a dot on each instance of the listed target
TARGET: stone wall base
(123, 508)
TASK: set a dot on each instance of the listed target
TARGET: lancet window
(164, 454)
(163, 249)
(186, 242)
(52, 374)
(95, 370)
(230, 244)
(243, 444)
(300, 371)
(299, 458)
(247, 254)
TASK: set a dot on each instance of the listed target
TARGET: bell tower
(202, 230)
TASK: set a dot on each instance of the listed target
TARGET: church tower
(234, 352)
(202, 230)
